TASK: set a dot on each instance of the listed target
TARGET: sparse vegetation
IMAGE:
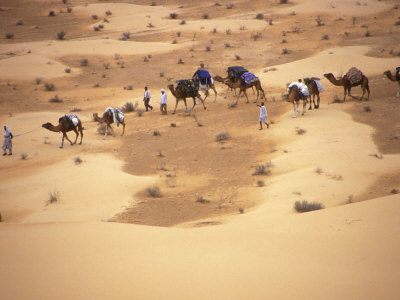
(129, 107)
(259, 16)
(9, 36)
(175, 41)
(256, 36)
(139, 112)
(260, 183)
(154, 192)
(324, 37)
(126, 36)
(241, 210)
(67, 70)
(394, 191)
(301, 131)
(285, 51)
(305, 206)
(205, 16)
(52, 13)
(53, 196)
(24, 156)
(156, 133)
(319, 21)
(208, 48)
(201, 199)
(84, 62)
(223, 136)
(262, 169)
(173, 15)
(173, 125)
(162, 74)
(229, 6)
(183, 22)
(283, 1)
(367, 33)
(367, 108)
(227, 45)
(106, 65)
(61, 35)
(1, 219)
(108, 13)
(95, 17)
(19, 23)
(69, 9)
(228, 31)
(55, 99)
(128, 87)
(319, 171)
(76, 109)
(180, 61)
(78, 160)
(237, 57)
(49, 87)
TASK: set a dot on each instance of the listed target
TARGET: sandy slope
(66, 250)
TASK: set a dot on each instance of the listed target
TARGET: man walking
(163, 102)
(263, 115)
(7, 144)
(146, 99)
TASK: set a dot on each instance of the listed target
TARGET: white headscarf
(7, 131)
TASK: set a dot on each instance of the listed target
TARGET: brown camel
(206, 90)
(313, 90)
(393, 78)
(241, 85)
(108, 118)
(294, 97)
(347, 85)
(181, 94)
(65, 124)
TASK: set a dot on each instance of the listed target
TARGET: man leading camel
(7, 144)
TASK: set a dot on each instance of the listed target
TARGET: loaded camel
(394, 78)
(208, 86)
(242, 87)
(181, 94)
(313, 90)
(347, 85)
(65, 124)
(108, 117)
(295, 95)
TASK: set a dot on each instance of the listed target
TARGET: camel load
(235, 72)
(249, 78)
(204, 77)
(354, 75)
(188, 86)
(116, 114)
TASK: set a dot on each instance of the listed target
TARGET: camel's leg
(227, 90)
(62, 141)
(304, 106)
(310, 108)
(245, 93)
(176, 105)
(66, 136)
(184, 100)
(81, 131)
(253, 90)
(294, 110)
(206, 94)
(123, 128)
(345, 92)
(194, 104)
(215, 94)
(398, 93)
(367, 91)
(318, 99)
(77, 134)
(202, 101)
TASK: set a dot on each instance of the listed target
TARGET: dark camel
(393, 78)
(206, 91)
(65, 125)
(294, 97)
(109, 119)
(313, 90)
(241, 85)
(180, 94)
(347, 85)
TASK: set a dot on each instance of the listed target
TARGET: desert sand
(217, 231)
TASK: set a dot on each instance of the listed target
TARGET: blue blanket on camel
(203, 75)
(249, 78)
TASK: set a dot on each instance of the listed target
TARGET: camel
(65, 124)
(347, 85)
(313, 90)
(180, 94)
(393, 78)
(295, 97)
(242, 87)
(208, 86)
(108, 118)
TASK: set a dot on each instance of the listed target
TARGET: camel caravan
(238, 77)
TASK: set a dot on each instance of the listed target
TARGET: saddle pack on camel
(71, 119)
(249, 78)
(235, 72)
(116, 114)
(188, 86)
(354, 75)
(203, 76)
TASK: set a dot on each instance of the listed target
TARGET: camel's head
(387, 72)
(327, 75)
(307, 80)
(47, 125)
(170, 86)
(218, 78)
(95, 116)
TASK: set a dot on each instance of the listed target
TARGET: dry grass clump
(38, 80)
(49, 87)
(24, 156)
(260, 16)
(283, 1)
(128, 87)
(61, 35)
(205, 16)
(260, 183)
(256, 36)
(156, 133)
(78, 160)
(394, 191)
(125, 36)
(108, 13)
(208, 48)
(227, 45)
(19, 23)
(367, 33)
(180, 61)
(84, 62)
(53, 196)
(154, 192)
(9, 36)
(67, 70)
(301, 131)
(229, 6)
(262, 169)
(55, 99)
(69, 9)
(1, 219)
(305, 206)
(367, 108)
(237, 57)
(319, 21)
(183, 22)
(201, 199)
(76, 109)
(285, 51)
(223, 136)
(52, 13)
(325, 37)
(95, 17)
(173, 15)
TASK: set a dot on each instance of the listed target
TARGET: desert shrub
(69, 9)
(9, 36)
(175, 41)
(153, 3)
(262, 169)
(173, 124)
(108, 13)
(242, 28)
(1, 219)
(367, 33)
(49, 87)
(270, 22)
(64, 1)
(126, 36)
(237, 57)
(38, 80)
(229, 6)
(106, 65)
(75, 109)
(95, 17)
(78, 160)
(217, 4)
(260, 183)
(84, 62)
(397, 23)
(228, 31)
(259, 16)
(53, 196)
(96, 85)
(301, 131)
(285, 51)
(96, 28)
(67, 70)
(319, 21)
(208, 48)
(305, 206)
(128, 87)
(180, 61)
(201, 199)
(222, 136)
(367, 108)
(24, 156)
(283, 1)
(162, 74)
(173, 15)
(183, 22)
(153, 192)
(205, 16)
(55, 99)
(52, 13)
(227, 45)
(156, 133)
(284, 41)
(256, 36)
(61, 35)
(324, 37)
(101, 26)
(150, 25)
(394, 191)
(19, 23)
(129, 107)
(319, 171)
